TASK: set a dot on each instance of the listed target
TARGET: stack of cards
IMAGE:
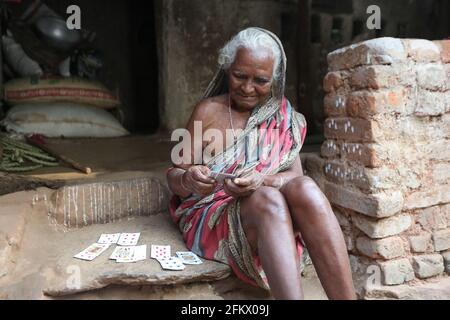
(93, 251)
(129, 253)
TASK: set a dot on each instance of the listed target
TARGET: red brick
(375, 205)
(332, 81)
(366, 104)
(350, 129)
(334, 104)
(374, 51)
(336, 171)
(377, 77)
(422, 50)
(445, 51)
(373, 77)
(330, 149)
(361, 104)
(432, 77)
(361, 154)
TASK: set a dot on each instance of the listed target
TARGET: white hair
(254, 40)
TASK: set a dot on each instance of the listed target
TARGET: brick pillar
(386, 158)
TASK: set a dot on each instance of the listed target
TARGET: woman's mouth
(247, 97)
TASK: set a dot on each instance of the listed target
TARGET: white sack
(62, 119)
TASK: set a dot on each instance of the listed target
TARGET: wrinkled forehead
(262, 58)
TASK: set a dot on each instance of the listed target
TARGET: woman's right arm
(176, 183)
(188, 178)
(193, 180)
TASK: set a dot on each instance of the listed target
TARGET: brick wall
(385, 163)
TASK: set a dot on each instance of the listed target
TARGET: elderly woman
(258, 222)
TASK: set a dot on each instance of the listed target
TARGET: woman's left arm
(281, 178)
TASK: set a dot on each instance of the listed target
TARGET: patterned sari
(271, 141)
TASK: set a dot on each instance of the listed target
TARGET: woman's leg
(312, 215)
(267, 224)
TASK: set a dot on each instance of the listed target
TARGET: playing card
(128, 239)
(93, 251)
(220, 177)
(109, 238)
(140, 253)
(160, 252)
(121, 252)
(188, 257)
(171, 263)
(136, 253)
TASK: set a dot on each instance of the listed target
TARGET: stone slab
(102, 272)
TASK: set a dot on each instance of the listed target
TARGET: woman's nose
(247, 87)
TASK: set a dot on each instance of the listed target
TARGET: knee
(269, 204)
(303, 191)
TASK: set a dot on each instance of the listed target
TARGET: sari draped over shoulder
(271, 141)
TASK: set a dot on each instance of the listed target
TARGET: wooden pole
(305, 91)
(60, 156)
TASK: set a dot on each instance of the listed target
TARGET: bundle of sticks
(17, 156)
(35, 153)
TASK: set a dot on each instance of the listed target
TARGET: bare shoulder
(208, 108)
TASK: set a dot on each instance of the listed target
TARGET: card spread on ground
(137, 253)
(93, 251)
(121, 252)
(128, 239)
(160, 251)
(109, 238)
(129, 253)
(171, 263)
(188, 257)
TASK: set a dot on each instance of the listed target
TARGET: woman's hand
(244, 186)
(196, 179)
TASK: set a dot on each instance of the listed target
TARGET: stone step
(108, 199)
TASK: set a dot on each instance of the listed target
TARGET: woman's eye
(262, 81)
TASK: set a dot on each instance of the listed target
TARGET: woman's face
(250, 78)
